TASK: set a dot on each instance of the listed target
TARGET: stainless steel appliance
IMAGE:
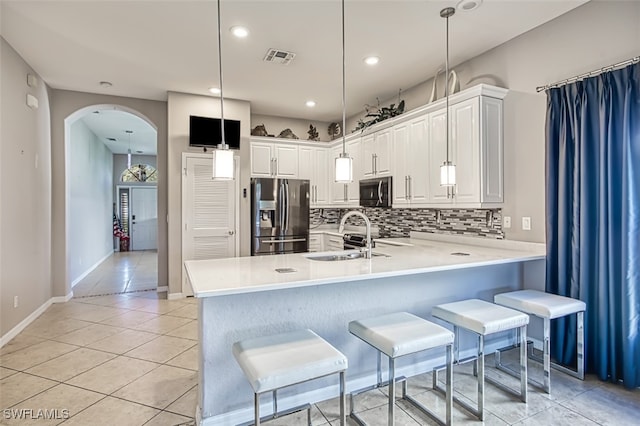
(376, 192)
(355, 241)
(279, 216)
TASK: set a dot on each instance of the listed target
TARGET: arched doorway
(101, 143)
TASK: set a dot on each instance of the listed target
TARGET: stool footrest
(460, 402)
(423, 409)
(282, 413)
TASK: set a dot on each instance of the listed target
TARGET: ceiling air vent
(279, 56)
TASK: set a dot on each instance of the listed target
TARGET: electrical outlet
(15, 301)
(507, 222)
(526, 224)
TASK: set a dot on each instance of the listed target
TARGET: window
(140, 173)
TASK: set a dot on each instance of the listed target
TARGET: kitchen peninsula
(245, 297)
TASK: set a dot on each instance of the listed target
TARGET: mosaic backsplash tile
(399, 222)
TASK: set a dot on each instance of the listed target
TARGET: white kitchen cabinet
(475, 147)
(312, 165)
(274, 160)
(347, 194)
(316, 242)
(377, 154)
(333, 242)
(411, 162)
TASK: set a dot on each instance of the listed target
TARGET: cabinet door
(465, 138)
(286, 161)
(306, 163)
(383, 153)
(437, 122)
(338, 190)
(401, 143)
(417, 161)
(261, 159)
(492, 148)
(353, 188)
(321, 174)
(368, 150)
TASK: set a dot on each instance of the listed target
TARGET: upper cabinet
(411, 165)
(272, 159)
(312, 165)
(475, 148)
(377, 152)
(346, 194)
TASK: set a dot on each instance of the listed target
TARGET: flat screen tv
(205, 131)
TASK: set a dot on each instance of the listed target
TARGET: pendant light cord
(223, 142)
(447, 13)
(344, 101)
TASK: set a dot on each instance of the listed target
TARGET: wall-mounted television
(205, 131)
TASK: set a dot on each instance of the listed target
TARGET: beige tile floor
(122, 272)
(131, 359)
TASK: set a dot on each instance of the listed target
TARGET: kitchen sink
(332, 257)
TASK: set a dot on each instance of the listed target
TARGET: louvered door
(208, 214)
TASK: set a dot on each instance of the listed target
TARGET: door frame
(236, 179)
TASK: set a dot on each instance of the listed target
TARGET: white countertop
(220, 277)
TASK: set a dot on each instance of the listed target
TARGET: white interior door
(209, 214)
(144, 218)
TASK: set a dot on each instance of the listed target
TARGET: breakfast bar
(247, 297)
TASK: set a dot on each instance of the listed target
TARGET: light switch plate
(526, 224)
(507, 222)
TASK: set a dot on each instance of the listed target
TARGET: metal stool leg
(343, 402)
(480, 362)
(546, 355)
(449, 384)
(256, 409)
(580, 345)
(523, 363)
(392, 391)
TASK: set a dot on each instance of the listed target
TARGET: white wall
(180, 107)
(592, 36)
(299, 127)
(90, 201)
(25, 192)
(64, 103)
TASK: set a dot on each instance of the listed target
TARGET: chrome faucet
(367, 223)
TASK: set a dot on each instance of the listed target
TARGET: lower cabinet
(316, 242)
(333, 242)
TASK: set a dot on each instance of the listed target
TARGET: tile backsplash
(399, 222)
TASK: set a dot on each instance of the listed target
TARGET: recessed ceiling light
(311, 104)
(468, 5)
(371, 60)
(214, 90)
(238, 31)
(106, 84)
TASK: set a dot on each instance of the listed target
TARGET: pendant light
(447, 169)
(129, 132)
(344, 163)
(222, 155)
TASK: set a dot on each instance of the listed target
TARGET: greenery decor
(380, 114)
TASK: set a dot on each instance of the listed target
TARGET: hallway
(123, 272)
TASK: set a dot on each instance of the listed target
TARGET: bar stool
(400, 334)
(276, 361)
(484, 318)
(546, 306)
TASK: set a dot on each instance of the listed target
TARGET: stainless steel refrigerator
(279, 216)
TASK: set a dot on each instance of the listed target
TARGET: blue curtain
(593, 218)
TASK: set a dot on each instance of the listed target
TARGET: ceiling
(110, 124)
(147, 48)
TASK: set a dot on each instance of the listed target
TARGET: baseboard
(90, 270)
(24, 323)
(175, 296)
(62, 299)
(162, 289)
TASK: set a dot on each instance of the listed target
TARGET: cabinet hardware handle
(373, 164)
(275, 160)
(410, 187)
(406, 187)
(231, 232)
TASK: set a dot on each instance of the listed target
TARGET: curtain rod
(589, 74)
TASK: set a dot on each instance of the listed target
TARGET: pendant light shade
(223, 164)
(447, 169)
(344, 163)
(222, 155)
(344, 168)
(129, 132)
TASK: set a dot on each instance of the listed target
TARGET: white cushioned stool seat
(401, 333)
(280, 360)
(539, 303)
(480, 316)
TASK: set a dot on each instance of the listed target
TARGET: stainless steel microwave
(376, 192)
